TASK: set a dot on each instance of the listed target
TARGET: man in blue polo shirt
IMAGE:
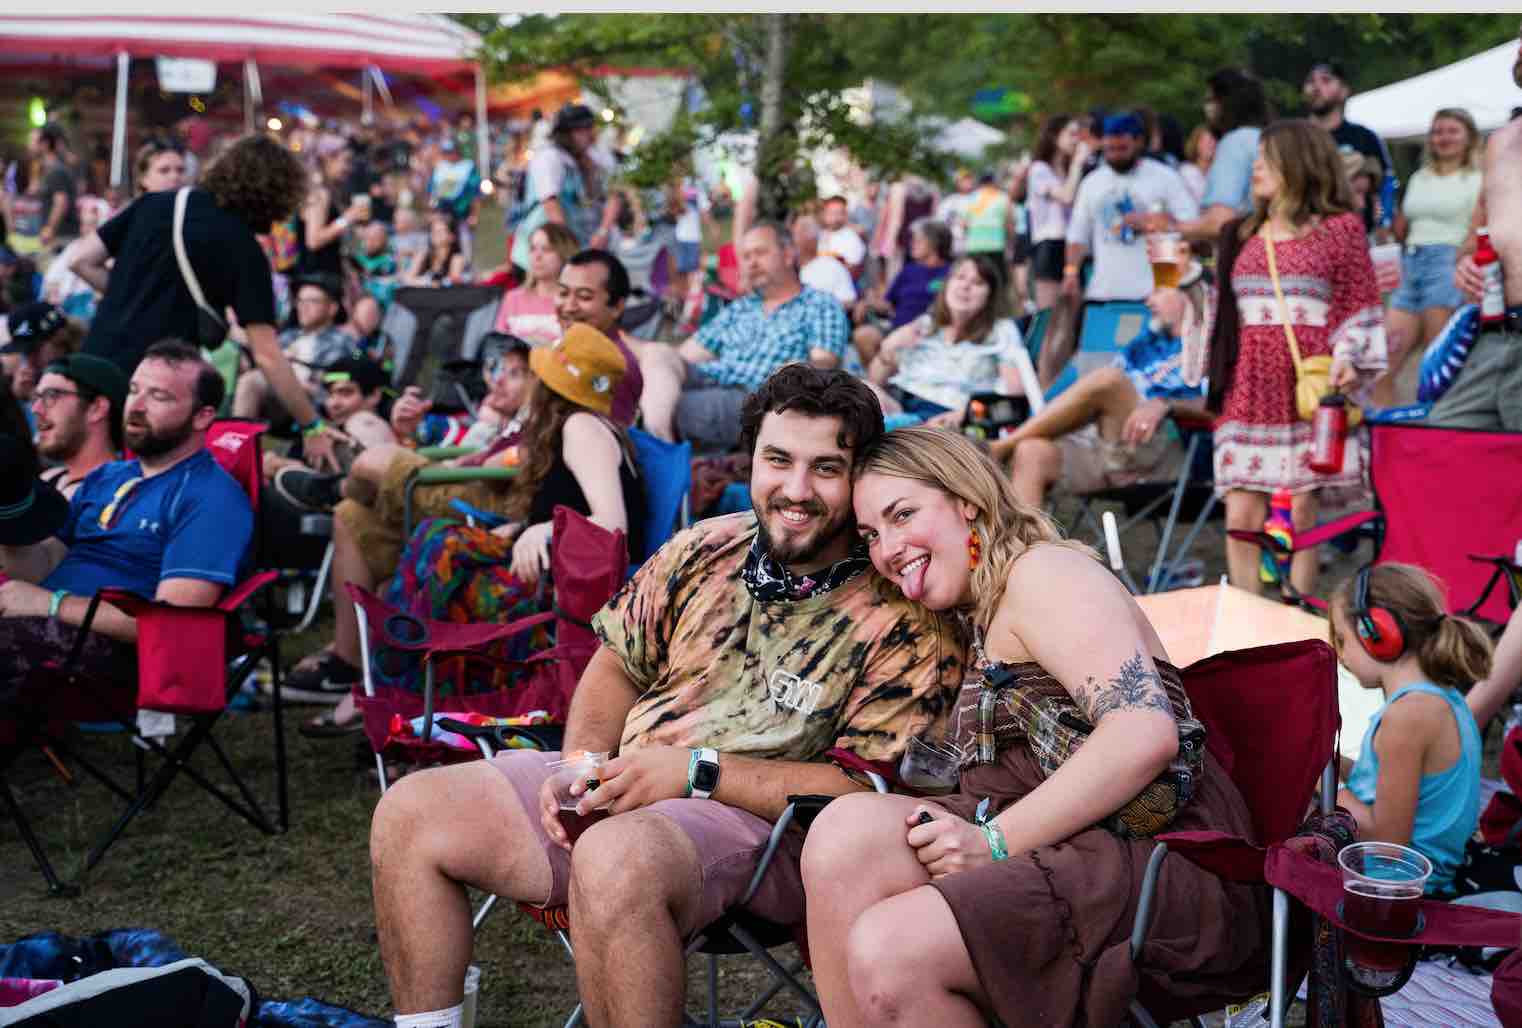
(169, 524)
(697, 389)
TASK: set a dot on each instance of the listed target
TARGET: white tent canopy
(967, 138)
(1481, 84)
(426, 44)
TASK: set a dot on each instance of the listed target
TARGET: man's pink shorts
(729, 843)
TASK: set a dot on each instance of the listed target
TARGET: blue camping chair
(1104, 326)
(667, 472)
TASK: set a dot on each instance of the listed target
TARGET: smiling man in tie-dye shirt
(746, 662)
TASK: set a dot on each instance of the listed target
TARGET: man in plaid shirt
(698, 387)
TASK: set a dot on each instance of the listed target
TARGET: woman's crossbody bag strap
(1273, 276)
(181, 198)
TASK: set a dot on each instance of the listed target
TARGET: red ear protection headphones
(1379, 630)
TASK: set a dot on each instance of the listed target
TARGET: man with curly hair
(255, 183)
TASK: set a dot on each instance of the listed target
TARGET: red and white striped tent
(422, 44)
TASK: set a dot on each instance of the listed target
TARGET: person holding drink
(745, 658)
(1295, 286)
(1077, 745)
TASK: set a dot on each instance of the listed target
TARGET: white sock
(446, 1018)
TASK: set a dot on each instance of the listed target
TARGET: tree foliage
(1062, 62)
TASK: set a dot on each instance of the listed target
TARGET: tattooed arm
(1074, 618)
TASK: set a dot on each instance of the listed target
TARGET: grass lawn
(291, 912)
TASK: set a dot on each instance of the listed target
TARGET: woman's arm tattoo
(1136, 687)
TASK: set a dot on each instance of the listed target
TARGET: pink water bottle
(1329, 434)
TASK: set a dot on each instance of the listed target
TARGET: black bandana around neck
(770, 582)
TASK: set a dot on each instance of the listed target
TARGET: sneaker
(326, 682)
(308, 489)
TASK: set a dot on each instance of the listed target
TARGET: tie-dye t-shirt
(789, 680)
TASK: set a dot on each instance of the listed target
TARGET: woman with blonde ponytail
(1417, 777)
(1077, 745)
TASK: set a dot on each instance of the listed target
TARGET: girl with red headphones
(1417, 778)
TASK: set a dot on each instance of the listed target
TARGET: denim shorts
(1426, 279)
(688, 257)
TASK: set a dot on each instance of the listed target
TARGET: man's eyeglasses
(48, 397)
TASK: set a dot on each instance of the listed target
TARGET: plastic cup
(468, 1004)
(929, 767)
(1386, 259)
(566, 773)
(1382, 886)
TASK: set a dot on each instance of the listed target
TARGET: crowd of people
(901, 574)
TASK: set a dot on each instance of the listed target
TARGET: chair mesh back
(1447, 493)
(1270, 713)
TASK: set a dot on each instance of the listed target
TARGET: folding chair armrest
(447, 476)
(453, 476)
(1311, 537)
(139, 606)
(444, 452)
(1144, 901)
(1337, 527)
(1505, 568)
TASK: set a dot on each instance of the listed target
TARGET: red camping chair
(1272, 721)
(1447, 501)
(484, 669)
(190, 661)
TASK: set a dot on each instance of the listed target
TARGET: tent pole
(119, 121)
(367, 88)
(253, 97)
(483, 157)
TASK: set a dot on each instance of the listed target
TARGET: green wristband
(56, 602)
(995, 836)
(308, 431)
(692, 770)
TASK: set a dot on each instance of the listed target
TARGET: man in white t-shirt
(818, 270)
(839, 240)
(1124, 183)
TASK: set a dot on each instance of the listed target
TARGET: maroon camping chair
(190, 661)
(1447, 501)
(486, 669)
(1272, 722)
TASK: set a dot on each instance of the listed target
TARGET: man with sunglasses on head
(169, 524)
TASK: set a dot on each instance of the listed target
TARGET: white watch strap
(706, 755)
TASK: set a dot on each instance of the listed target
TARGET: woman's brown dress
(1049, 929)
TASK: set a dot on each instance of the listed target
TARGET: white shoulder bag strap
(183, 259)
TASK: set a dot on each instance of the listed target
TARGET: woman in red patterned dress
(1302, 206)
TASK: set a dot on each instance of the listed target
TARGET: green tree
(785, 73)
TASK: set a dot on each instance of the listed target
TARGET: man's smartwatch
(703, 773)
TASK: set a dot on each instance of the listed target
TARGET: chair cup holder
(1375, 968)
(404, 630)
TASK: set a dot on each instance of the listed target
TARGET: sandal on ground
(326, 726)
